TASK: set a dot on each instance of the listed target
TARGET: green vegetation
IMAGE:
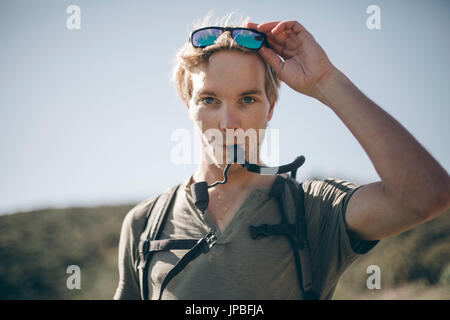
(37, 247)
(414, 265)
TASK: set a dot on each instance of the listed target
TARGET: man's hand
(414, 186)
(305, 64)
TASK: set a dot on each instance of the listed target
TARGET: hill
(37, 247)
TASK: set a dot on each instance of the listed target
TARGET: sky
(87, 115)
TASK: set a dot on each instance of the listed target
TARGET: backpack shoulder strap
(290, 196)
(290, 193)
(302, 242)
(156, 217)
(298, 198)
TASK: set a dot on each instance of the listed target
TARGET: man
(228, 86)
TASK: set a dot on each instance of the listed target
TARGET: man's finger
(278, 38)
(284, 32)
(272, 59)
(281, 50)
(295, 26)
(267, 26)
(252, 25)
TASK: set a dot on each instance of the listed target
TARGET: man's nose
(229, 118)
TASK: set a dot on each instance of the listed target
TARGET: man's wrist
(329, 86)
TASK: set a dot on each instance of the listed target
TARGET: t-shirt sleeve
(133, 223)
(332, 249)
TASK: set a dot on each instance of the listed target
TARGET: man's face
(229, 94)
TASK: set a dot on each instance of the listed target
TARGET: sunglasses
(244, 37)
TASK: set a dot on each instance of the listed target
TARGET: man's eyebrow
(250, 92)
(206, 93)
(244, 93)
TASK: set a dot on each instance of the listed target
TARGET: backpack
(156, 217)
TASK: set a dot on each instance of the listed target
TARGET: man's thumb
(272, 59)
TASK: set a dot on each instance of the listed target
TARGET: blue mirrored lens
(248, 39)
(206, 37)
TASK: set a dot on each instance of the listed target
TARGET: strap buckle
(260, 231)
(207, 242)
(143, 252)
(144, 246)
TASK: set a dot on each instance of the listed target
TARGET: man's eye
(248, 100)
(207, 100)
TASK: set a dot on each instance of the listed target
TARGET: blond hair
(189, 58)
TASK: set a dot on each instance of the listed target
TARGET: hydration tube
(199, 190)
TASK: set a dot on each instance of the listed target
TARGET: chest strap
(200, 246)
(266, 230)
(171, 244)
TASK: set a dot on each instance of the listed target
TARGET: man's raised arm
(413, 188)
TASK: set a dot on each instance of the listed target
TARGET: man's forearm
(410, 175)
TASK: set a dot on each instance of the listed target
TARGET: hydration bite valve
(199, 190)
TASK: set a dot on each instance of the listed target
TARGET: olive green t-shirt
(237, 266)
